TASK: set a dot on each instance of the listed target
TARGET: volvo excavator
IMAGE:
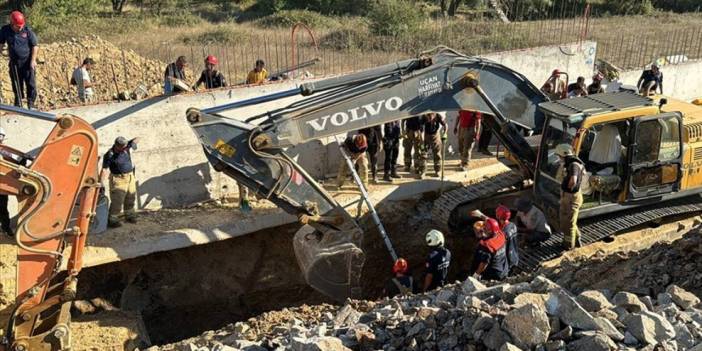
(48, 184)
(643, 155)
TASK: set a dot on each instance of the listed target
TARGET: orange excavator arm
(48, 187)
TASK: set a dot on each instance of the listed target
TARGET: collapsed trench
(182, 293)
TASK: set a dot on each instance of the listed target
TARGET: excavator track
(600, 227)
(444, 206)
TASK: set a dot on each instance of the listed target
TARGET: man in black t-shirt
(438, 262)
(210, 76)
(412, 133)
(434, 131)
(23, 49)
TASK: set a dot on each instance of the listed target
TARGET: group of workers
(420, 135)
(175, 78)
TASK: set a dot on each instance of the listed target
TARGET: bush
(678, 5)
(347, 38)
(625, 7)
(219, 35)
(179, 19)
(46, 13)
(287, 18)
(394, 18)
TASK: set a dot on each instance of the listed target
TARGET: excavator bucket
(328, 245)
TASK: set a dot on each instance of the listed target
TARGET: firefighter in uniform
(412, 133)
(571, 175)
(503, 214)
(402, 283)
(434, 130)
(438, 261)
(490, 260)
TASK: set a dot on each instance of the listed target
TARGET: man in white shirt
(532, 222)
(81, 79)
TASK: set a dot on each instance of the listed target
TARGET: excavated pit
(182, 293)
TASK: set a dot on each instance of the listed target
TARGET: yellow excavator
(642, 155)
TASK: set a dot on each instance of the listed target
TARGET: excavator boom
(48, 186)
(328, 246)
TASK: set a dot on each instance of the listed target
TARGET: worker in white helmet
(570, 174)
(4, 213)
(438, 261)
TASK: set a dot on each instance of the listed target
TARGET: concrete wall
(681, 80)
(171, 168)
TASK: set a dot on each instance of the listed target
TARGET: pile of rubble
(534, 315)
(117, 74)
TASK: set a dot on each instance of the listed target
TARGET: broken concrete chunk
(471, 285)
(561, 304)
(495, 338)
(527, 325)
(346, 316)
(509, 347)
(597, 342)
(649, 328)
(318, 344)
(593, 301)
(531, 298)
(542, 285)
(682, 297)
(607, 328)
(629, 301)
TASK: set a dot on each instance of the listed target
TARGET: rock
(466, 302)
(629, 301)
(426, 312)
(471, 285)
(530, 298)
(683, 336)
(664, 299)
(606, 313)
(682, 297)
(646, 300)
(496, 292)
(607, 328)
(558, 345)
(318, 344)
(495, 337)
(527, 325)
(649, 328)
(241, 327)
(347, 315)
(509, 347)
(561, 304)
(564, 334)
(416, 329)
(597, 342)
(445, 295)
(593, 301)
(630, 339)
(542, 285)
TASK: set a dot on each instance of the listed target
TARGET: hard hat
(523, 204)
(556, 72)
(654, 65)
(492, 226)
(502, 212)
(17, 18)
(478, 226)
(360, 140)
(564, 150)
(400, 266)
(211, 60)
(435, 238)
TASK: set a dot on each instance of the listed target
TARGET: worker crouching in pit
(490, 261)
(402, 283)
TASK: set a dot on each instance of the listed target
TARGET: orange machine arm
(63, 174)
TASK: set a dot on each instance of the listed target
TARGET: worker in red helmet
(402, 283)
(210, 76)
(490, 260)
(503, 215)
(23, 49)
(559, 86)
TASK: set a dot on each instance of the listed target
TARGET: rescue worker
(174, 72)
(374, 136)
(210, 76)
(503, 215)
(391, 145)
(438, 262)
(259, 74)
(490, 260)
(484, 139)
(81, 79)
(4, 213)
(434, 131)
(467, 130)
(118, 161)
(570, 174)
(651, 80)
(531, 223)
(412, 133)
(23, 50)
(558, 85)
(596, 86)
(402, 283)
(547, 89)
(355, 148)
(580, 82)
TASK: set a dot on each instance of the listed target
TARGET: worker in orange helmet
(503, 215)
(210, 76)
(23, 49)
(402, 283)
(490, 260)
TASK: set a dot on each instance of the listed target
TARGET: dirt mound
(116, 72)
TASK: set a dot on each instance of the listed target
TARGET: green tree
(394, 17)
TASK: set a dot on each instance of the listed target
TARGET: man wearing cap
(210, 76)
(596, 86)
(23, 49)
(81, 79)
(651, 80)
(531, 223)
(175, 73)
(118, 161)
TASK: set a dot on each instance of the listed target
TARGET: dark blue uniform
(438, 265)
(510, 231)
(391, 141)
(23, 78)
(119, 162)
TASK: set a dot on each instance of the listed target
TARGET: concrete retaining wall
(171, 168)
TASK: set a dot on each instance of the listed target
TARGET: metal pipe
(253, 101)
(30, 113)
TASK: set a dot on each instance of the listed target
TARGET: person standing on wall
(467, 129)
(259, 74)
(118, 161)
(23, 49)
(374, 135)
(412, 133)
(391, 140)
(174, 76)
(81, 79)
(210, 76)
